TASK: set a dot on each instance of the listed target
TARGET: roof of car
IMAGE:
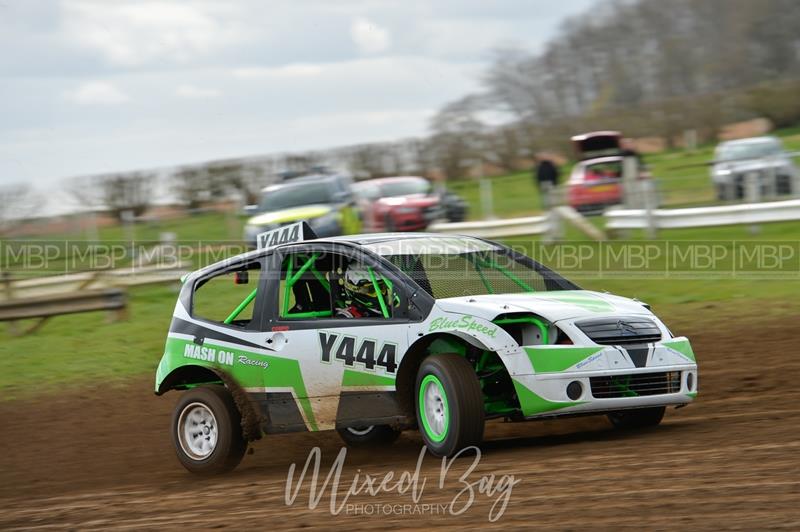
(306, 179)
(392, 179)
(592, 134)
(750, 140)
(600, 160)
(358, 240)
(376, 238)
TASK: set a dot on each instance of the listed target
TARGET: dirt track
(102, 458)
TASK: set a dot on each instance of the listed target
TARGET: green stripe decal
(683, 347)
(590, 302)
(551, 359)
(280, 373)
(358, 378)
(531, 403)
(692, 395)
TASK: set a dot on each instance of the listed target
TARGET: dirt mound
(102, 458)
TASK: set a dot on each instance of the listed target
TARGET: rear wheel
(206, 431)
(368, 436)
(637, 419)
(449, 404)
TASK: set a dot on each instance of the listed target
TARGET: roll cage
(414, 300)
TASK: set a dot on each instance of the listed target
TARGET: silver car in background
(764, 157)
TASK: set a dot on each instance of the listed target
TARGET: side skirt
(280, 412)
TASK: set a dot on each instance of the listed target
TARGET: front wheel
(368, 436)
(206, 431)
(638, 418)
(449, 404)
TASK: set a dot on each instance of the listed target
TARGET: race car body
(462, 330)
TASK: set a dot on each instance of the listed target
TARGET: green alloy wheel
(449, 404)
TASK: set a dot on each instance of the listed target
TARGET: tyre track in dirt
(99, 459)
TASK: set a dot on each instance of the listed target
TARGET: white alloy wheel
(197, 431)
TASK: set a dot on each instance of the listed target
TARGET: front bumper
(571, 379)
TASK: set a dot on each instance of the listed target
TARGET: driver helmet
(361, 291)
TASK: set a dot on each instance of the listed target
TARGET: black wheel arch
(409, 366)
(190, 375)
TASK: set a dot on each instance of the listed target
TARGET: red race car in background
(397, 203)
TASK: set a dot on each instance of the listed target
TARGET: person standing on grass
(546, 175)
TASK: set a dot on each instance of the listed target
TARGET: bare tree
(127, 192)
(456, 136)
(191, 184)
(84, 191)
(17, 202)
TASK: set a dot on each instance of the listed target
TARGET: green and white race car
(373, 334)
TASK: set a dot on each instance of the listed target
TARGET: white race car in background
(464, 330)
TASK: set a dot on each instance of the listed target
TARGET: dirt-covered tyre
(449, 404)
(638, 418)
(369, 436)
(207, 432)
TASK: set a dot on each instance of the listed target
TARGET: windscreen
(750, 150)
(296, 196)
(405, 187)
(453, 267)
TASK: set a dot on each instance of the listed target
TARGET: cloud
(195, 92)
(129, 33)
(97, 93)
(296, 70)
(369, 37)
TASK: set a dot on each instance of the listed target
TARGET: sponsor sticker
(208, 354)
(243, 359)
(464, 323)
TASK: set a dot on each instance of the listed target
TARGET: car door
(346, 366)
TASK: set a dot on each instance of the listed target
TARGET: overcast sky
(91, 86)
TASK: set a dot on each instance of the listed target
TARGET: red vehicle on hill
(405, 203)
